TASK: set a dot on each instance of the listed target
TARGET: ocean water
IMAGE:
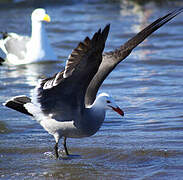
(147, 143)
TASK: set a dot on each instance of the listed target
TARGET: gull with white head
(23, 49)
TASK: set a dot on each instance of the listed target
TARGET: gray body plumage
(16, 45)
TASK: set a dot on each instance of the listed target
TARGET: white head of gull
(66, 104)
(23, 49)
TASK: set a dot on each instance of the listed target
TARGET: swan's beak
(47, 18)
(118, 110)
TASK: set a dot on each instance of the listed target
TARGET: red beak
(118, 110)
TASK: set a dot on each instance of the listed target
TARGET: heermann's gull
(65, 104)
(23, 49)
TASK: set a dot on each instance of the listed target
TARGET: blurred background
(6, 3)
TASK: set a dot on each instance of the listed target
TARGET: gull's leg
(65, 147)
(56, 150)
(57, 137)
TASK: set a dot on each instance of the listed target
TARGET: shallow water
(147, 143)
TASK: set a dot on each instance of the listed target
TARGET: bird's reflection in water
(31, 73)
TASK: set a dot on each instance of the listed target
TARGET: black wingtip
(169, 16)
(4, 34)
(177, 11)
(107, 26)
(1, 61)
(105, 31)
(99, 31)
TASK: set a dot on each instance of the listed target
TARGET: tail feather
(17, 103)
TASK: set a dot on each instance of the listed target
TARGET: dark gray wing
(16, 45)
(64, 93)
(111, 59)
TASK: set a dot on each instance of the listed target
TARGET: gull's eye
(108, 101)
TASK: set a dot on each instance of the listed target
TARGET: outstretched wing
(64, 93)
(113, 58)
